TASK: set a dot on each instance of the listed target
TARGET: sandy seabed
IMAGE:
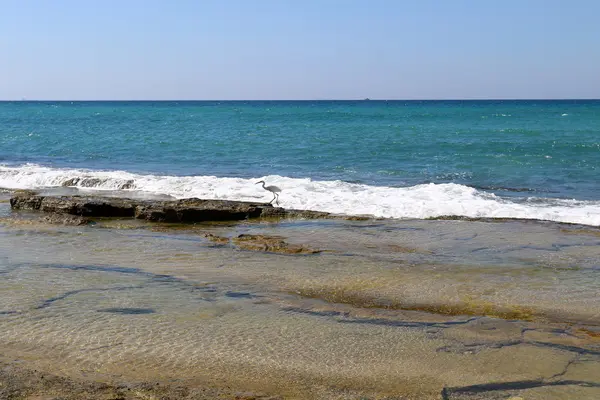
(384, 310)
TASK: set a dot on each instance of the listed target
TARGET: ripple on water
(153, 305)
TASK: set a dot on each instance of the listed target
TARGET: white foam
(421, 201)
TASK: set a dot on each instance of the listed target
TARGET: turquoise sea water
(518, 151)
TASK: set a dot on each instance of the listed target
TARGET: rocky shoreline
(78, 210)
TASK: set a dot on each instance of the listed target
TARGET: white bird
(273, 189)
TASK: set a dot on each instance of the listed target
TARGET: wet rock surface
(176, 211)
(216, 239)
(60, 219)
(94, 182)
(197, 210)
(45, 221)
(85, 206)
(272, 244)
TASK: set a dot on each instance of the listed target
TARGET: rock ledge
(176, 211)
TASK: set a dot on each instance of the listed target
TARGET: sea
(472, 271)
(531, 159)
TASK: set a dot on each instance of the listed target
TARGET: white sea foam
(420, 201)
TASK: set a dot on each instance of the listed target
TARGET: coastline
(197, 218)
(120, 204)
(419, 201)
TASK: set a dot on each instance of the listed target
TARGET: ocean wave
(420, 201)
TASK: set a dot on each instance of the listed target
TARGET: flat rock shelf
(174, 211)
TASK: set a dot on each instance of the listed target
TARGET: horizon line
(298, 100)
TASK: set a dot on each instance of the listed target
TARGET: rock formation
(176, 211)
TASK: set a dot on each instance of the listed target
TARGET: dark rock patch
(274, 244)
(239, 295)
(85, 206)
(64, 219)
(196, 210)
(129, 184)
(128, 310)
(220, 240)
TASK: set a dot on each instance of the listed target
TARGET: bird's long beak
(257, 182)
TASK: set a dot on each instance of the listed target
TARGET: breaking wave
(420, 201)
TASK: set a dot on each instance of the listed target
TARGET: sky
(303, 49)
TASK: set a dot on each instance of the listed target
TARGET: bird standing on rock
(273, 189)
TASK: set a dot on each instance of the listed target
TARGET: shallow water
(420, 309)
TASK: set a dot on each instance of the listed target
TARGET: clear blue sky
(303, 49)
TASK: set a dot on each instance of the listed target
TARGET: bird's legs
(275, 199)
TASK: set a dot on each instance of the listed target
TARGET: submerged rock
(271, 244)
(62, 219)
(274, 244)
(216, 239)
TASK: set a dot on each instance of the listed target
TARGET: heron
(273, 189)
